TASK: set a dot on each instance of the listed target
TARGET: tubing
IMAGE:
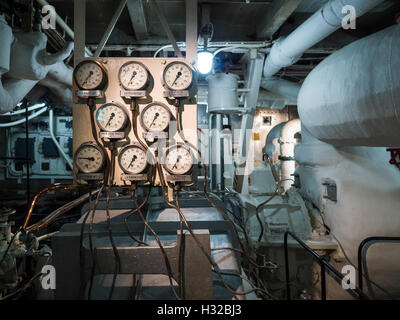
(14, 113)
(287, 141)
(328, 19)
(53, 137)
(15, 123)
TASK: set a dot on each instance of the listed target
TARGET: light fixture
(204, 62)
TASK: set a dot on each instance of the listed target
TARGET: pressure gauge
(132, 159)
(177, 76)
(155, 117)
(90, 75)
(178, 160)
(133, 76)
(89, 158)
(111, 117)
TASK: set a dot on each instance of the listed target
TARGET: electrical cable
(215, 266)
(181, 262)
(276, 192)
(115, 250)
(133, 212)
(91, 241)
(179, 129)
(166, 259)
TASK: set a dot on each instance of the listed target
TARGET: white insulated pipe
(64, 26)
(53, 137)
(352, 98)
(218, 154)
(287, 142)
(22, 110)
(328, 19)
(18, 122)
(284, 88)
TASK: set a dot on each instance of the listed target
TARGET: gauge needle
(133, 159)
(87, 78)
(177, 160)
(177, 77)
(90, 158)
(155, 117)
(111, 117)
(133, 75)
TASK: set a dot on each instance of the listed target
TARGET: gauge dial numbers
(155, 117)
(133, 159)
(177, 76)
(178, 160)
(133, 76)
(111, 117)
(90, 75)
(89, 158)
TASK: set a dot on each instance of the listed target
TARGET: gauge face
(111, 117)
(132, 159)
(89, 75)
(155, 117)
(89, 158)
(133, 76)
(178, 160)
(177, 76)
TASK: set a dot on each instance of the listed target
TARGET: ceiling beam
(138, 19)
(191, 30)
(276, 17)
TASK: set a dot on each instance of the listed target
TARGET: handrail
(323, 264)
(360, 250)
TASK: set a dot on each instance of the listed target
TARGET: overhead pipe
(64, 26)
(328, 19)
(288, 142)
(284, 88)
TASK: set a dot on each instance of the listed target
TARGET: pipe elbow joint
(278, 59)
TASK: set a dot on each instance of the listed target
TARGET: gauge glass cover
(111, 117)
(178, 160)
(177, 76)
(133, 76)
(89, 158)
(155, 117)
(132, 159)
(89, 75)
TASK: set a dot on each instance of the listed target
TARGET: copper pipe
(43, 192)
(58, 212)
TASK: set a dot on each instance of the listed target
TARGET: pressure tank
(353, 97)
(222, 93)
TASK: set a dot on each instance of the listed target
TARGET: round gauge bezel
(167, 67)
(143, 66)
(164, 158)
(163, 105)
(94, 145)
(129, 146)
(103, 70)
(126, 117)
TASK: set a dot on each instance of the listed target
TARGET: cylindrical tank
(222, 93)
(6, 38)
(353, 97)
